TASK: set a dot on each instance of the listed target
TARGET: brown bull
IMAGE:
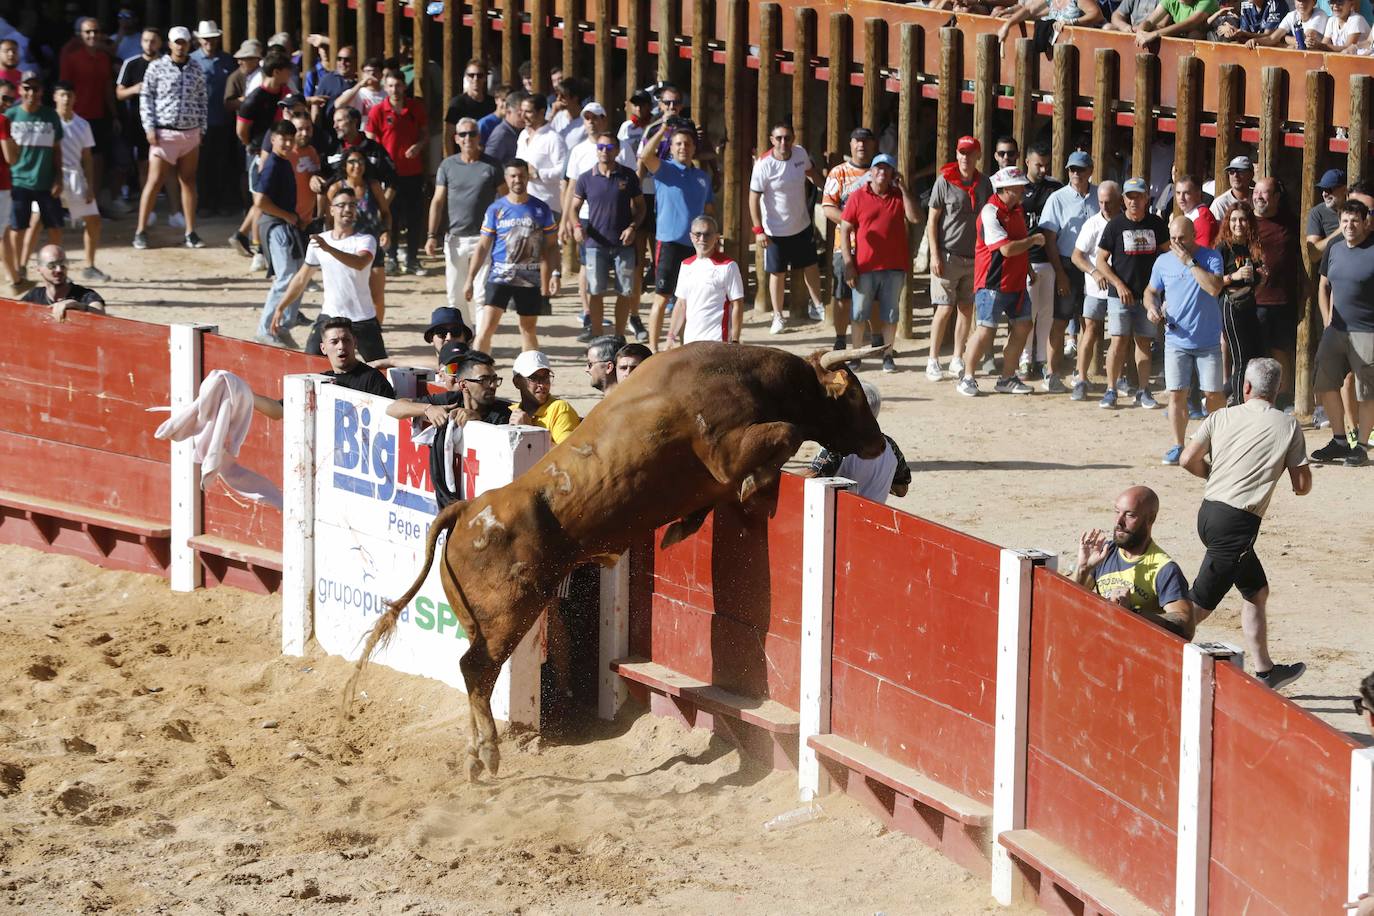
(690, 429)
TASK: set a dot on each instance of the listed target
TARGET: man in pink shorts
(173, 109)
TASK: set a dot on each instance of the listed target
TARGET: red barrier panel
(726, 603)
(1280, 803)
(263, 367)
(1103, 728)
(915, 643)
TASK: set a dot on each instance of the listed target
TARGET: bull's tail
(386, 624)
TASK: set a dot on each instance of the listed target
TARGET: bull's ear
(835, 381)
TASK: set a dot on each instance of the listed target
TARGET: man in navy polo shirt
(615, 209)
(682, 193)
(1001, 266)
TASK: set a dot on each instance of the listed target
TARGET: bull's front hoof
(474, 767)
(491, 757)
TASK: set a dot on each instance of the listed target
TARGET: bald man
(1182, 293)
(57, 289)
(1128, 567)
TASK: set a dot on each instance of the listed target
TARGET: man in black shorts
(1346, 298)
(470, 381)
(520, 233)
(347, 371)
(1242, 452)
(782, 220)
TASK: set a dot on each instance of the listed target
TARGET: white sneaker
(259, 262)
(816, 312)
(934, 372)
(177, 221)
(779, 324)
(956, 367)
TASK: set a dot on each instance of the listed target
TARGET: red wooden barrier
(1280, 804)
(1103, 727)
(915, 643)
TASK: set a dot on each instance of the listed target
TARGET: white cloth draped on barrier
(219, 419)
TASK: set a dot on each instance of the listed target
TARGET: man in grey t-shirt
(1346, 298)
(952, 229)
(468, 182)
(1129, 15)
(1324, 219)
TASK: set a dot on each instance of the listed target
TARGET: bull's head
(846, 425)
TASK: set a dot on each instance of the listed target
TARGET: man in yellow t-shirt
(1128, 567)
(538, 407)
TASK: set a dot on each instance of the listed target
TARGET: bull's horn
(837, 358)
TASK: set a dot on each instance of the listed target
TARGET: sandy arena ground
(139, 776)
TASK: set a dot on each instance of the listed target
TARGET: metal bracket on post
(818, 609)
(298, 512)
(1361, 873)
(185, 346)
(1013, 686)
(1195, 774)
(614, 641)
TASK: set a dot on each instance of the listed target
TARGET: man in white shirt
(710, 291)
(782, 221)
(541, 147)
(581, 159)
(1096, 290)
(78, 183)
(1240, 173)
(345, 257)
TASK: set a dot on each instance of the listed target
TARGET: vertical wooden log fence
(912, 47)
(736, 141)
(419, 45)
(986, 88)
(1065, 104)
(1106, 73)
(482, 48)
(1146, 96)
(572, 38)
(1273, 92)
(365, 14)
(1313, 146)
(308, 52)
(541, 44)
(1229, 94)
(951, 79)
(770, 37)
(391, 32)
(1023, 107)
(669, 27)
(601, 55)
(1187, 114)
(636, 45)
(510, 35)
(1361, 98)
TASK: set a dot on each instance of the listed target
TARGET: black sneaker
(641, 332)
(889, 364)
(239, 242)
(194, 241)
(1281, 676)
(1358, 457)
(1333, 451)
(585, 335)
(140, 240)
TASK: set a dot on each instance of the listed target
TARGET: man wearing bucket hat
(217, 157)
(1126, 254)
(1001, 269)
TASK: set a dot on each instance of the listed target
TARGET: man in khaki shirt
(1241, 452)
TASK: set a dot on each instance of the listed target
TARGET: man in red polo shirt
(873, 243)
(401, 126)
(1001, 266)
(89, 67)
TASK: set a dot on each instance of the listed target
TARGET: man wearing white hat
(1240, 173)
(1001, 267)
(217, 146)
(173, 107)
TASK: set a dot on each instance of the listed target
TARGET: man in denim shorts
(615, 210)
(873, 240)
(1001, 259)
(959, 193)
(1184, 284)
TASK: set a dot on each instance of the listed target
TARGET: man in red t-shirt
(1001, 266)
(90, 68)
(873, 243)
(401, 126)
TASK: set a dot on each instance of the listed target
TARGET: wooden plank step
(1072, 873)
(233, 550)
(903, 779)
(769, 715)
(97, 517)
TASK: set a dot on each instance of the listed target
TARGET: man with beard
(1128, 567)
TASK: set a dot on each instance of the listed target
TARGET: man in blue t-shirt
(1184, 284)
(615, 210)
(1127, 567)
(682, 192)
(274, 194)
(520, 234)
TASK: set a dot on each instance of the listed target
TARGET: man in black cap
(1324, 219)
(469, 380)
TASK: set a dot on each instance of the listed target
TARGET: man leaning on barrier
(57, 288)
(1127, 567)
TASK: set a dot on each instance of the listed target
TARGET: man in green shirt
(1176, 18)
(35, 159)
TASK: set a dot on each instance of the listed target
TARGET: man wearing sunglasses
(782, 220)
(469, 382)
(57, 290)
(467, 182)
(473, 102)
(605, 210)
(323, 88)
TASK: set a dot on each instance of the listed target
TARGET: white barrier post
(1361, 871)
(184, 343)
(614, 640)
(298, 512)
(818, 610)
(1013, 687)
(1195, 775)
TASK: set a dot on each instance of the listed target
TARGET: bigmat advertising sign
(374, 502)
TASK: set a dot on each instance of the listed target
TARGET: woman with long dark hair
(1243, 269)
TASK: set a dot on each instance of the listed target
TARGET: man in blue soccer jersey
(520, 234)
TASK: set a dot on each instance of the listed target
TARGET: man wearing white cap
(173, 110)
(217, 146)
(533, 378)
(1001, 268)
(1240, 172)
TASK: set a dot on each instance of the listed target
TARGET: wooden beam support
(909, 65)
(987, 78)
(837, 108)
(736, 150)
(669, 27)
(636, 46)
(770, 39)
(1314, 145)
(365, 14)
(875, 59)
(419, 46)
(510, 36)
(1188, 113)
(1361, 98)
(804, 78)
(1230, 90)
(948, 90)
(448, 51)
(541, 45)
(229, 28)
(391, 31)
(1146, 97)
(603, 76)
(308, 52)
(482, 47)
(572, 37)
(1273, 108)
(1023, 102)
(703, 30)
(1065, 103)
(1106, 74)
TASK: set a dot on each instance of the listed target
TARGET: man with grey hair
(1241, 452)
(601, 354)
(874, 478)
(468, 182)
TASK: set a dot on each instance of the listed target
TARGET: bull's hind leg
(684, 527)
(752, 459)
(481, 666)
